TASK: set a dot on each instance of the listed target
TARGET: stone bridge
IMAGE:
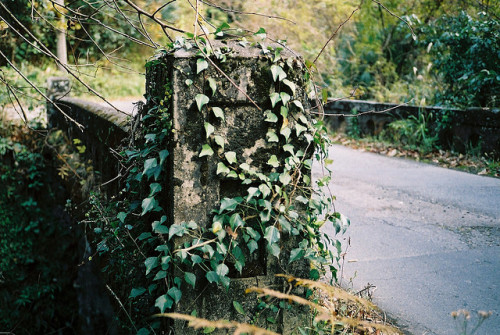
(195, 187)
(469, 127)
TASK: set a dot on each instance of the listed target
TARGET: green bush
(465, 55)
(36, 251)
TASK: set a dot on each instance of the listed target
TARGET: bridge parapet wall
(472, 126)
(102, 129)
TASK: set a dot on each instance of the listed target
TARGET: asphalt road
(427, 237)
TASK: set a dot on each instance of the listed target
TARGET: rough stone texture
(196, 188)
(104, 129)
(473, 126)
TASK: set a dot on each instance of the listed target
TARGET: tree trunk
(62, 52)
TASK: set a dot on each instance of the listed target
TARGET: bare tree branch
(335, 34)
(38, 90)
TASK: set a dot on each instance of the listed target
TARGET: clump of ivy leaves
(136, 234)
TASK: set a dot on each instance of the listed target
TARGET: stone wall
(196, 188)
(103, 129)
(472, 126)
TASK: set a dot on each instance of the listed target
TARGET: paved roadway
(427, 237)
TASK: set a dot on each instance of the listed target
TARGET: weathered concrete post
(196, 188)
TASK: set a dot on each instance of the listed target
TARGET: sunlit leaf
(209, 129)
(201, 100)
(206, 150)
(164, 302)
(230, 157)
(190, 278)
(213, 85)
(201, 64)
(218, 112)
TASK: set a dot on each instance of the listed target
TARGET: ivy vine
(279, 201)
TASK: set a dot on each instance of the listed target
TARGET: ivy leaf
(221, 168)
(164, 302)
(231, 157)
(218, 112)
(290, 84)
(298, 104)
(274, 249)
(284, 112)
(272, 234)
(150, 263)
(222, 270)
(232, 174)
(219, 140)
(324, 94)
(196, 259)
(177, 229)
(121, 216)
(209, 129)
(201, 100)
(275, 98)
(149, 166)
(212, 277)
(272, 137)
(163, 155)
(285, 225)
(252, 191)
(302, 199)
(201, 64)
(299, 129)
(265, 190)
(228, 204)
(136, 292)
(278, 73)
(188, 82)
(175, 293)
(270, 116)
(296, 254)
(160, 275)
(159, 228)
(190, 278)
(206, 150)
(261, 33)
(237, 306)
(213, 85)
(273, 161)
(285, 178)
(288, 148)
(265, 216)
(253, 233)
(144, 236)
(148, 204)
(154, 188)
(252, 246)
(286, 132)
(285, 97)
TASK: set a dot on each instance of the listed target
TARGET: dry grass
(332, 309)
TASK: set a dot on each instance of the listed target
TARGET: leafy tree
(465, 54)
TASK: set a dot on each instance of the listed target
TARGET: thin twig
(39, 91)
(396, 16)
(228, 10)
(335, 34)
(9, 88)
(196, 245)
(121, 305)
(368, 112)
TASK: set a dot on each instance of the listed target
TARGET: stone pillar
(196, 189)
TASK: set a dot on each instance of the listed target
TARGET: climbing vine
(277, 203)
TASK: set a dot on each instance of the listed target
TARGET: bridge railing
(471, 126)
